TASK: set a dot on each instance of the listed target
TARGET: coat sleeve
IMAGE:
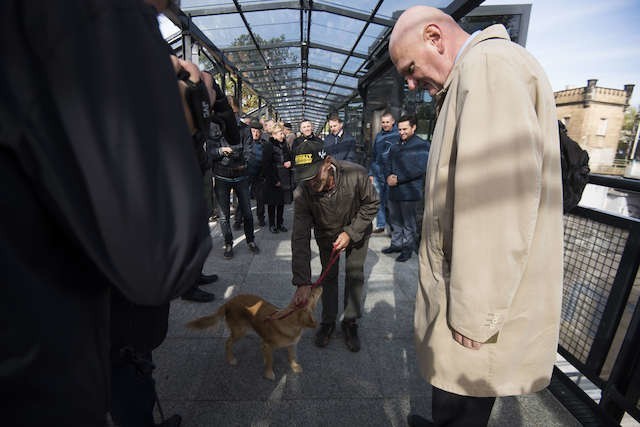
(368, 201)
(497, 190)
(301, 239)
(119, 168)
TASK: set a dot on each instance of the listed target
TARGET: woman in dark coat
(276, 161)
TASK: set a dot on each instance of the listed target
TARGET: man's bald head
(423, 46)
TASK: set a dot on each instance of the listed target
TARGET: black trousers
(454, 410)
(276, 213)
(133, 394)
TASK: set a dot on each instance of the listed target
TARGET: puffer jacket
(349, 207)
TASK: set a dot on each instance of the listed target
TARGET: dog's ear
(307, 320)
(314, 297)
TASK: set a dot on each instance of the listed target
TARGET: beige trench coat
(492, 246)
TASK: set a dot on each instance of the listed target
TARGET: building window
(602, 127)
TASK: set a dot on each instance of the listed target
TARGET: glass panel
(334, 30)
(272, 26)
(322, 76)
(347, 81)
(223, 30)
(342, 92)
(393, 8)
(358, 5)
(319, 86)
(353, 64)
(370, 39)
(192, 4)
(324, 58)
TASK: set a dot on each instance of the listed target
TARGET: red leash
(335, 255)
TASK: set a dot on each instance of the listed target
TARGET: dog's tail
(207, 321)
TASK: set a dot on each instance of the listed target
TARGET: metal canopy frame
(309, 71)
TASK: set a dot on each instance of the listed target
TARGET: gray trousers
(402, 217)
(353, 283)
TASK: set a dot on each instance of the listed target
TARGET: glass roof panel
(322, 75)
(342, 92)
(222, 30)
(325, 58)
(353, 64)
(334, 30)
(357, 5)
(393, 8)
(192, 4)
(347, 81)
(319, 86)
(370, 38)
(272, 26)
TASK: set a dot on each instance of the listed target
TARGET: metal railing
(600, 324)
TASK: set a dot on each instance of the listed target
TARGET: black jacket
(87, 153)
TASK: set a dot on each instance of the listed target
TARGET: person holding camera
(228, 164)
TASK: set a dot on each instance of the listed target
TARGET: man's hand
(301, 296)
(342, 242)
(392, 180)
(225, 151)
(466, 342)
(371, 179)
(287, 164)
(278, 184)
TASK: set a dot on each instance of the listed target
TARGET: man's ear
(432, 34)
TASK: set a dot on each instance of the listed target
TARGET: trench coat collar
(497, 31)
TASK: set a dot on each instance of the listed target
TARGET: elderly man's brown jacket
(492, 239)
(350, 207)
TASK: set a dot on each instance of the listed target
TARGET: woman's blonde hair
(277, 127)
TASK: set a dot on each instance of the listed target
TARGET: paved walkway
(378, 386)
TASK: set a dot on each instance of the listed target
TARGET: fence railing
(600, 325)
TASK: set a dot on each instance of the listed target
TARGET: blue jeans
(402, 216)
(383, 189)
(223, 192)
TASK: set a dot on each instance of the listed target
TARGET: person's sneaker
(228, 251)
(391, 249)
(324, 334)
(253, 247)
(282, 228)
(415, 420)
(196, 294)
(378, 230)
(350, 331)
(172, 421)
(404, 256)
(273, 229)
(205, 279)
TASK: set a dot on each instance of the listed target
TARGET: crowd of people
(103, 219)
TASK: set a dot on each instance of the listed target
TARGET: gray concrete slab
(379, 386)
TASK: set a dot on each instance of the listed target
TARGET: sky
(577, 40)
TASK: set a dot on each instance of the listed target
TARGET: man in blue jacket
(405, 171)
(387, 137)
(339, 144)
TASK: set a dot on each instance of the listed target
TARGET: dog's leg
(267, 353)
(295, 366)
(236, 334)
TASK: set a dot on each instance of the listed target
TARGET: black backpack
(575, 169)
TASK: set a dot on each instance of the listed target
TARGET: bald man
(488, 305)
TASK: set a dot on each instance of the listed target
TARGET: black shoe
(198, 295)
(350, 331)
(324, 333)
(415, 420)
(253, 247)
(228, 251)
(237, 225)
(282, 228)
(273, 229)
(404, 256)
(378, 230)
(172, 421)
(391, 249)
(205, 279)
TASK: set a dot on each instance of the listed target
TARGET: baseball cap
(307, 158)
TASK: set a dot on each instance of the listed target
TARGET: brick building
(594, 116)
